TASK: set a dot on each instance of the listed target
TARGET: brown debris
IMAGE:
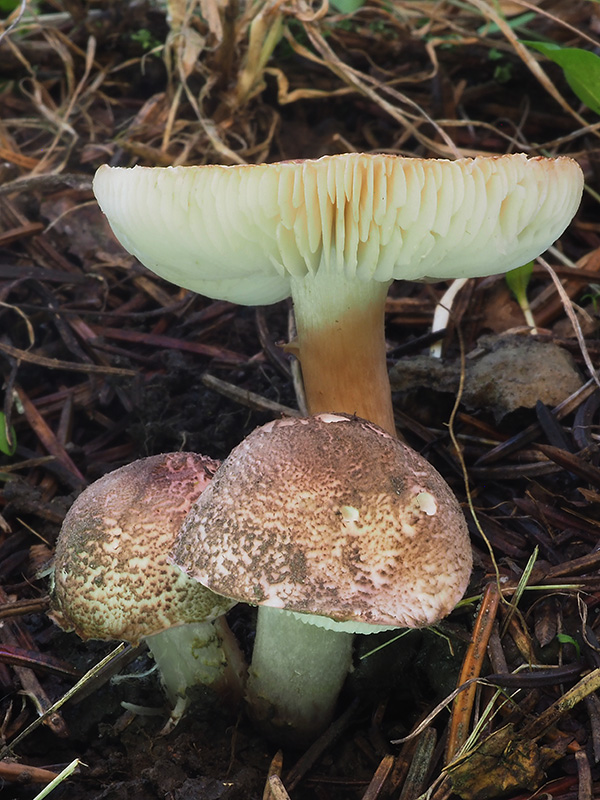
(13, 772)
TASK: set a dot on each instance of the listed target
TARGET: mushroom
(332, 527)
(112, 578)
(333, 233)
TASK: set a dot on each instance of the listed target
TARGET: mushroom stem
(297, 672)
(341, 346)
(197, 654)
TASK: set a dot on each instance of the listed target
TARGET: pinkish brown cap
(330, 516)
(112, 577)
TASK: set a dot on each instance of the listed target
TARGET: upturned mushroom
(112, 578)
(332, 527)
(334, 233)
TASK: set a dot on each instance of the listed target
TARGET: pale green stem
(297, 672)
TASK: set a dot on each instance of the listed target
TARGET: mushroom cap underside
(112, 577)
(245, 232)
(331, 516)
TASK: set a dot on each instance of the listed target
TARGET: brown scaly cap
(112, 577)
(331, 516)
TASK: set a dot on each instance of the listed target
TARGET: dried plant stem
(471, 668)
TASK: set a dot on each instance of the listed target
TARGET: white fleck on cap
(112, 577)
(330, 516)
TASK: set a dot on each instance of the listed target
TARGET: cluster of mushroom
(330, 525)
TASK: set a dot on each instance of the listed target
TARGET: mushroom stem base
(198, 654)
(296, 675)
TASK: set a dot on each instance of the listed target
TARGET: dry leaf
(501, 763)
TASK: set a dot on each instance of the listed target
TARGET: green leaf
(518, 281)
(347, 6)
(564, 638)
(8, 6)
(515, 23)
(581, 69)
(7, 447)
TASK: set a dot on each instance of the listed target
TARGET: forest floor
(103, 363)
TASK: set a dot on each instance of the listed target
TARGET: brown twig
(472, 665)
(56, 363)
(379, 779)
(48, 439)
(14, 772)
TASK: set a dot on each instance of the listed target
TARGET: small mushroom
(113, 580)
(333, 233)
(332, 527)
